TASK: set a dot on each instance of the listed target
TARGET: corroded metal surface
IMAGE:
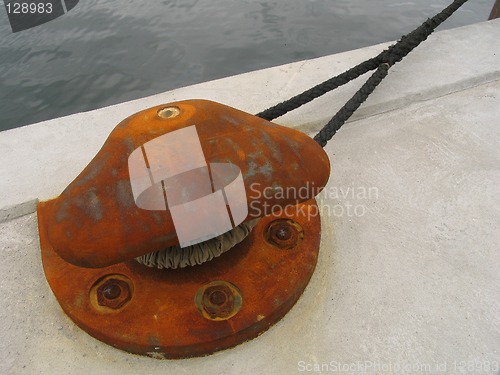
(95, 221)
(92, 232)
(197, 310)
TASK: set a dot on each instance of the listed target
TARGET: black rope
(381, 62)
(352, 104)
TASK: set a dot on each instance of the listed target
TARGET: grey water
(109, 51)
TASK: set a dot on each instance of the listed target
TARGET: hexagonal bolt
(284, 233)
(218, 300)
(113, 293)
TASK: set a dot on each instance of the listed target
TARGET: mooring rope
(329, 130)
(382, 62)
(177, 257)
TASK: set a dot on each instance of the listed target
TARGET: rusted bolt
(284, 233)
(112, 291)
(218, 300)
(218, 297)
(169, 112)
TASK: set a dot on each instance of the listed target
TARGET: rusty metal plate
(197, 310)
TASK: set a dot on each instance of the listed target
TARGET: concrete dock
(408, 277)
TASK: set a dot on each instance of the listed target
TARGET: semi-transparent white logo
(170, 172)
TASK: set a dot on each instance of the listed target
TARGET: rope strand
(392, 55)
(329, 130)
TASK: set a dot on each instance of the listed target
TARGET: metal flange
(197, 310)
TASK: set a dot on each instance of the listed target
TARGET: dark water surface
(109, 51)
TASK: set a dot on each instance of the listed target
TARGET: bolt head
(218, 300)
(169, 112)
(284, 233)
(113, 293)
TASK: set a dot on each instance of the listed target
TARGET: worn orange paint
(95, 222)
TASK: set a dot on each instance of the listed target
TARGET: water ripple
(108, 51)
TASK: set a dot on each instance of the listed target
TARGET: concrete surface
(407, 280)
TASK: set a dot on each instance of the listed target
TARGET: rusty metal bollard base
(197, 310)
